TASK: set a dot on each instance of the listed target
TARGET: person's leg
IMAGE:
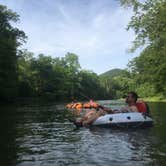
(93, 117)
(88, 115)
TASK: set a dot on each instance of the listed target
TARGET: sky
(95, 30)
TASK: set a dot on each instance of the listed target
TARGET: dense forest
(56, 78)
(22, 74)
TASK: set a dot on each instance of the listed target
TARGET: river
(41, 135)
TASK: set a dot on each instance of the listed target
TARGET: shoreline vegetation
(149, 99)
(44, 101)
(154, 99)
(25, 75)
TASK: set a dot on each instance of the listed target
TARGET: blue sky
(95, 30)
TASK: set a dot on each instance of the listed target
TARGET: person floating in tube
(132, 106)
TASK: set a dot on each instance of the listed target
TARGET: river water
(41, 135)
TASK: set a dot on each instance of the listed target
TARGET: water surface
(41, 135)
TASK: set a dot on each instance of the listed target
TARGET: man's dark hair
(134, 95)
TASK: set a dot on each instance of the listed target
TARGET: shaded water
(42, 135)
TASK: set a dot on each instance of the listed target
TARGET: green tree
(10, 39)
(117, 82)
(26, 76)
(149, 24)
(90, 86)
(72, 68)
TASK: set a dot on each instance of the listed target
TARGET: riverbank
(154, 99)
(150, 99)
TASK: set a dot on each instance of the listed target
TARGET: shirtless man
(131, 100)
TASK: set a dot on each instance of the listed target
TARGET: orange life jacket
(78, 106)
(142, 107)
(86, 105)
(91, 105)
(95, 105)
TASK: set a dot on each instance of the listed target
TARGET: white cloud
(95, 30)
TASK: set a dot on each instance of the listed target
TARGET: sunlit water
(41, 135)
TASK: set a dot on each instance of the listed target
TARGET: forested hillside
(113, 73)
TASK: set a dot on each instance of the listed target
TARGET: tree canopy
(56, 78)
(149, 25)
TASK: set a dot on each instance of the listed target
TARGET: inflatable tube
(122, 120)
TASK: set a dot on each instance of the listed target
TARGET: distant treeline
(56, 78)
(24, 75)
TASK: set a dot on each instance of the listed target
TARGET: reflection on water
(42, 135)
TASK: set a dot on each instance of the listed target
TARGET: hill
(112, 73)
